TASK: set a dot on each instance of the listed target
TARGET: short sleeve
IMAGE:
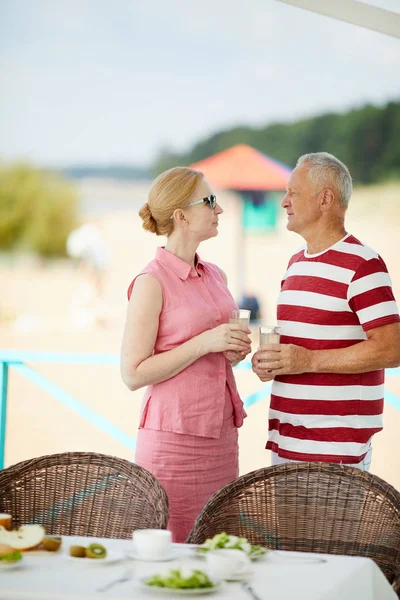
(370, 295)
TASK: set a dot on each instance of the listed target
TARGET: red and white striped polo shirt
(329, 300)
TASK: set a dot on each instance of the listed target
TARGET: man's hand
(261, 369)
(281, 359)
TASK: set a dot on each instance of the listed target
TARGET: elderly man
(339, 328)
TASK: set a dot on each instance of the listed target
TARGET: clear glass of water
(240, 316)
(269, 334)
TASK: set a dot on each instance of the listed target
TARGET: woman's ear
(181, 218)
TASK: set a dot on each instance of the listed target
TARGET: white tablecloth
(278, 576)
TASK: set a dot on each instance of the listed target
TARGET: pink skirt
(190, 468)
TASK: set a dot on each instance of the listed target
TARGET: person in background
(87, 247)
(339, 328)
(250, 302)
(178, 342)
(86, 244)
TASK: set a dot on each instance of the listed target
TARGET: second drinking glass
(269, 334)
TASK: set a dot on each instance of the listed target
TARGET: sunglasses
(211, 200)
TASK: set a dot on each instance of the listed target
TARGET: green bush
(37, 210)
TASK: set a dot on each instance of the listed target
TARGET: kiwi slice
(51, 543)
(77, 551)
(96, 551)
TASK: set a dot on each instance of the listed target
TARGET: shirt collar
(176, 264)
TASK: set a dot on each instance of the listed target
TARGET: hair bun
(149, 222)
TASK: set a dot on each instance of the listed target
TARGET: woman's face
(202, 219)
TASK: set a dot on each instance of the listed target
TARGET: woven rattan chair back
(310, 507)
(83, 493)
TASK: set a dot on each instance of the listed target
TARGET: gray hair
(327, 170)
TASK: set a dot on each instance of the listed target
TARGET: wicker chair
(310, 507)
(83, 493)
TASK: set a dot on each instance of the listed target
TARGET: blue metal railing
(3, 408)
(17, 360)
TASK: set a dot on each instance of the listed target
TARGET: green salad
(182, 578)
(12, 557)
(223, 540)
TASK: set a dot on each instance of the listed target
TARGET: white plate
(175, 592)
(111, 557)
(252, 556)
(256, 554)
(241, 576)
(6, 565)
(173, 554)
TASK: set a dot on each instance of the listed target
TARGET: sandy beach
(52, 308)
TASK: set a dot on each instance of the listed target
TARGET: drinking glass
(269, 334)
(240, 316)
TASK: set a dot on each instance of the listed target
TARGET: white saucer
(171, 555)
(241, 576)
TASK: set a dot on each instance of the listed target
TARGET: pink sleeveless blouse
(194, 301)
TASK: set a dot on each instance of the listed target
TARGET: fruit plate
(42, 552)
(111, 557)
(141, 582)
(11, 564)
(253, 554)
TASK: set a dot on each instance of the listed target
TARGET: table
(278, 576)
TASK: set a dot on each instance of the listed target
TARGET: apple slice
(5, 549)
(26, 537)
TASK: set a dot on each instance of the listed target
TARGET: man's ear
(327, 199)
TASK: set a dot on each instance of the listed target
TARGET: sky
(117, 81)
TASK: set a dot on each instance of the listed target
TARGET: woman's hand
(236, 357)
(226, 338)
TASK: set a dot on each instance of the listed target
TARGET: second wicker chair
(83, 493)
(311, 507)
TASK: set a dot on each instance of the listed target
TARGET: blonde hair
(171, 190)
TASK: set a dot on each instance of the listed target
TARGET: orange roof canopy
(243, 168)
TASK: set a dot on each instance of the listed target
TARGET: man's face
(301, 203)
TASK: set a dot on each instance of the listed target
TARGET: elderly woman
(178, 342)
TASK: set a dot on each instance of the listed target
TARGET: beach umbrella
(243, 168)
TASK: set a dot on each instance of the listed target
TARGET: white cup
(152, 544)
(225, 563)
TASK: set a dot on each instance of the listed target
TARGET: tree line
(39, 208)
(365, 139)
